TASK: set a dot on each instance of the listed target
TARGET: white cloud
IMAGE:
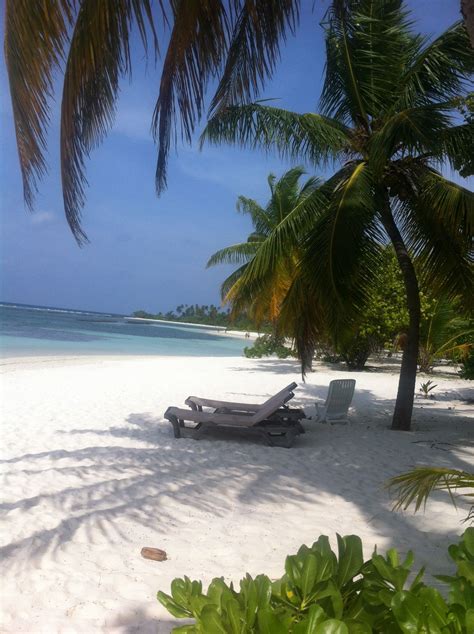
(134, 123)
(42, 218)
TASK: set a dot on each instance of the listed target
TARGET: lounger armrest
(209, 417)
(197, 401)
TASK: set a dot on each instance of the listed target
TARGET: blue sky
(147, 252)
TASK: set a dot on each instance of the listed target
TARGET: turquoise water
(37, 331)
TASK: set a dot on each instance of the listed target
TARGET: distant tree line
(208, 315)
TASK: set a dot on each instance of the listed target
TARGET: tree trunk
(467, 10)
(406, 385)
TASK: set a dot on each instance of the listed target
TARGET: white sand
(93, 474)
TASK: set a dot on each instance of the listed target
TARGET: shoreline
(220, 330)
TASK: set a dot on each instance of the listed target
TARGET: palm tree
(389, 120)
(286, 195)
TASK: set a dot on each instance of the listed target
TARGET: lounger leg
(176, 426)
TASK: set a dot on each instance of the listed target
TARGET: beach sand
(92, 474)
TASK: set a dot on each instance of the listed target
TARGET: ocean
(40, 331)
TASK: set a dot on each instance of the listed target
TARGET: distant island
(205, 315)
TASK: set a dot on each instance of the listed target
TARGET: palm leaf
(439, 71)
(195, 50)
(308, 137)
(254, 49)
(341, 254)
(416, 486)
(438, 222)
(99, 55)
(230, 281)
(235, 254)
(258, 215)
(36, 34)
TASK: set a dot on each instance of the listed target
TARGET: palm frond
(367, 46)
(416, 486)
(258, 215)
(235, 254)
(197, 44)
(438, 222)
(230, 281)
(308, 137)
(254, 49)
(439, 71)
(341, 254)
(99, 55)
(36, 34)
(411, 132)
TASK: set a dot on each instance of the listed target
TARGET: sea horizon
(34, 330)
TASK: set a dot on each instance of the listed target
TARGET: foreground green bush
(321, 593)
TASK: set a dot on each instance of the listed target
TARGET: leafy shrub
(266, 345)
(321, 593)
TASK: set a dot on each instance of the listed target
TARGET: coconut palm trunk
(406, 385)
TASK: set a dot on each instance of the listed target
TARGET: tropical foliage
(325, 593)
(389, 120)
(416, 486)
(268, 345)
(286, 197)
(445, 333)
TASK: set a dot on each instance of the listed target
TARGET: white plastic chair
(337, 403)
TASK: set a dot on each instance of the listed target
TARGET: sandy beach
(92, 474)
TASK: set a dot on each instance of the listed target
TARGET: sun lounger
(284, 413)
(275, 431)
(337, 403)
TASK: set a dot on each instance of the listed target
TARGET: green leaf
(172, 607)
(235, 616)
(350, 558)
(211, 621)
(357, 627)
(407, 610)
(468, 540)
(268, 623)
(466, 569)
(309, 573)
(180, 591)
(332, 626)
(470, 620)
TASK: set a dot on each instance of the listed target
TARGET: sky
(147, 252)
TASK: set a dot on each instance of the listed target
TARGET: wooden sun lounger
(275, 431)
(282, 414)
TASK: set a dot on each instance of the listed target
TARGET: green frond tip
(416, 486)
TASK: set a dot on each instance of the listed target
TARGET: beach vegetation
(391, 117)
(413, 488)
(206, 315)
(323, 592)
(445, 333)
(286, 196)
(427, 387)
(269, 345)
